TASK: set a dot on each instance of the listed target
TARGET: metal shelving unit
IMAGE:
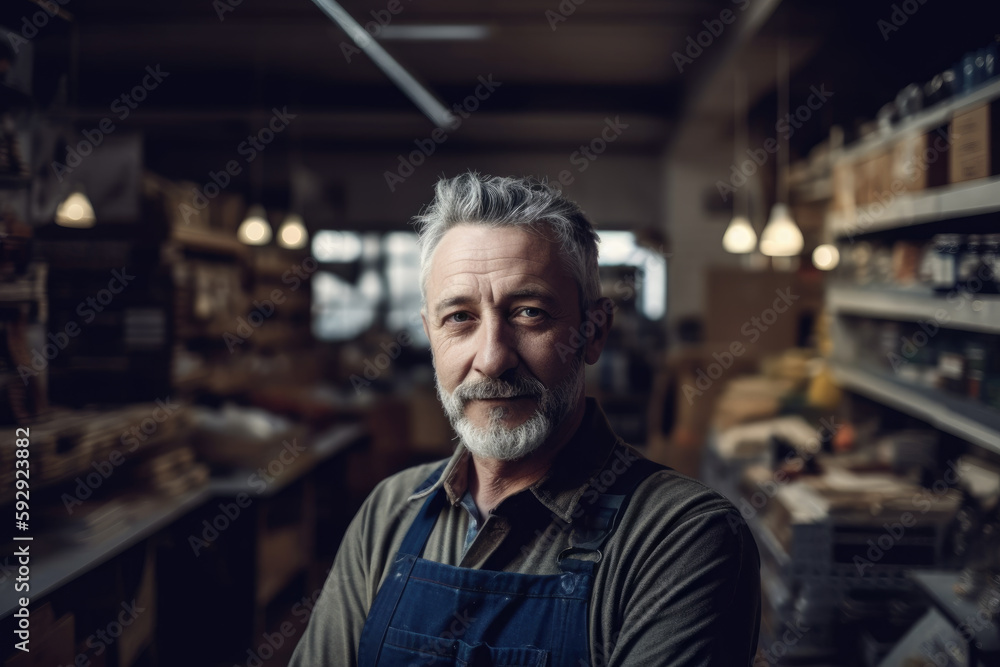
(978, 312)
(961, 417)
(904, 210)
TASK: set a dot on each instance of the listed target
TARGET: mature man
(544, 539)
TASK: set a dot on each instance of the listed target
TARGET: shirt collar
(585, 455)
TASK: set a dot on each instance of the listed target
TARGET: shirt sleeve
(695, 598)
(334, 630)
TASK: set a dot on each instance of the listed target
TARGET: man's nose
(496, 351)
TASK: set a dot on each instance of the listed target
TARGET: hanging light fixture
(292, 234)
(740, 236)
(76, 211)
(255, 230)
(826, 257)
(781, 236)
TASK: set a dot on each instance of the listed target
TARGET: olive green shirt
(678, 583)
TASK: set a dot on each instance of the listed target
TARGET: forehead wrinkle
(505, 259)
(524, 284)
(467, 266)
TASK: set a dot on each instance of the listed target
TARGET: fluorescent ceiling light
(435, 32)
(423, 98)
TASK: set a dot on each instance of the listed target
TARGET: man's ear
(427, 331)
(601, 314)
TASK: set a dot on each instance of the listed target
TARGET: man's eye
(459, 317)
(532, 313)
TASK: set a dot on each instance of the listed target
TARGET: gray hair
(505, 201)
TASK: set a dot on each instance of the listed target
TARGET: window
(372, 279)
(620, 249)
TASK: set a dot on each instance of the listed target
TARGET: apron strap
(602, 518)
(423, 523)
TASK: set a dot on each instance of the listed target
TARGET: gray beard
(496, 441)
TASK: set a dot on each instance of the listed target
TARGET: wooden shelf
(209, 241)
(980, 313)
(51, 572)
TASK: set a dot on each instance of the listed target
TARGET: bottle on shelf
(944, 263)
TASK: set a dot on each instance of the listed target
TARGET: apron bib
(433, 615)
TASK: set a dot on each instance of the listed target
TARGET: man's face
(499, 302)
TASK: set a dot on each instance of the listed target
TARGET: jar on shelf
(861, 258)
(951, 367)
(882, 265)
(989, 259)
(975, 367)
(905, 262)
(967, 269)
(944, 261)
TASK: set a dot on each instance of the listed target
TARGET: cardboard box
(909, 168)
(880, 177)
(862, 169)
(936, 158)
(970, 145)
(843, 188)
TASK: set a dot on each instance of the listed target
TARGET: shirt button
(568, 584)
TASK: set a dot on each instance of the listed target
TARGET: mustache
(516, 386)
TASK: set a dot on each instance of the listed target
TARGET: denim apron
(434, 615)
